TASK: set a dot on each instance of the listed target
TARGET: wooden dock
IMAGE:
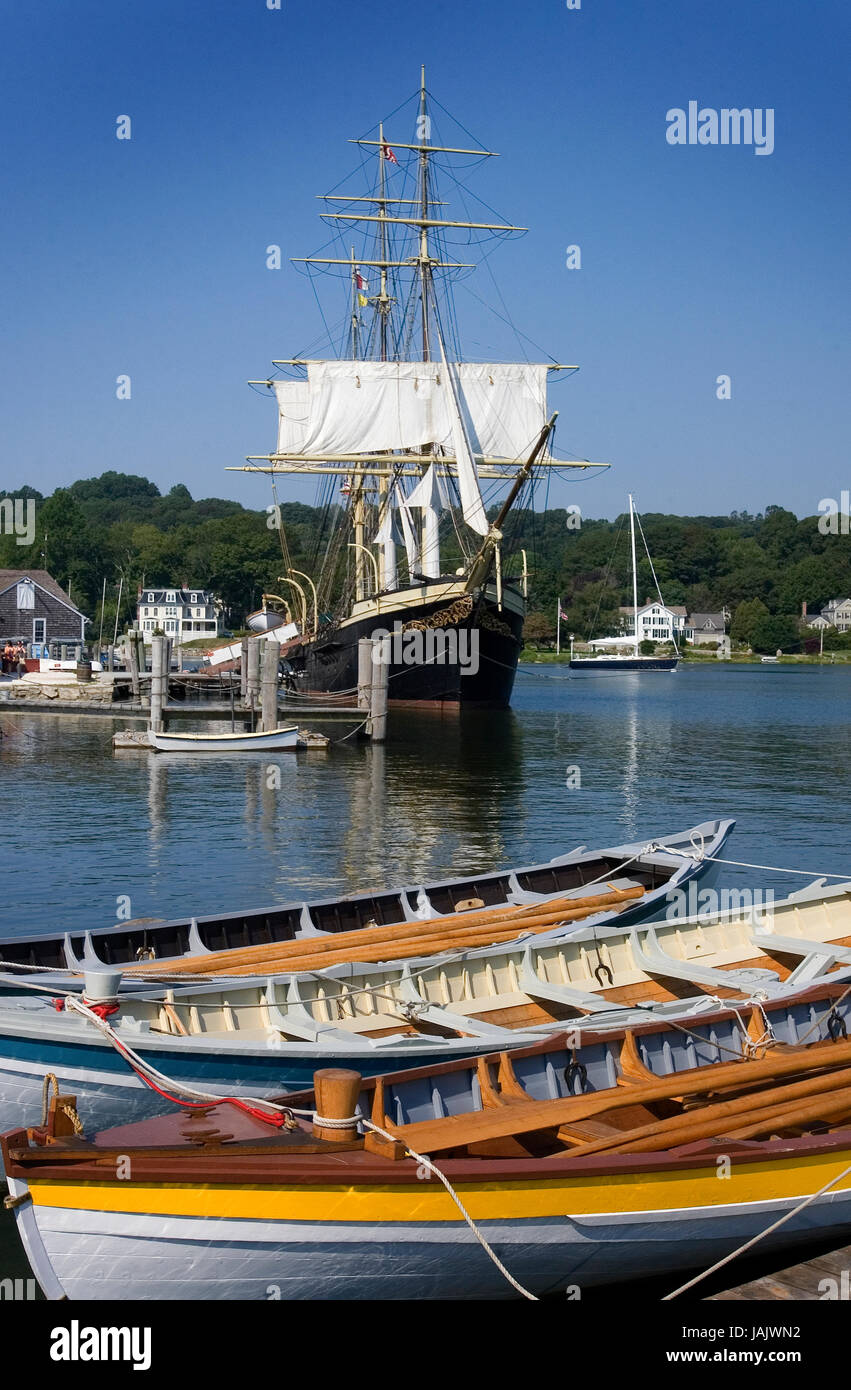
(823, 1277)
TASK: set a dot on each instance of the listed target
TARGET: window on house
(26, 594)
(39, 629)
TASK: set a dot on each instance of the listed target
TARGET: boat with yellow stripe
(347, 1196)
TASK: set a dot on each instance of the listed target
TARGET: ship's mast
(424, 134)
(371, 474)
(383, 305)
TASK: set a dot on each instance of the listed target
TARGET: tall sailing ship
(430, 451)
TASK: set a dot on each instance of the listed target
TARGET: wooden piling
(336, 1091)
(252, 689)
(159, 682)
(133, 652)
(365, 673)
(243, 672)
(269, 692)
(378, 695)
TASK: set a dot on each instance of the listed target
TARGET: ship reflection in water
(198, 834)
(446, 797)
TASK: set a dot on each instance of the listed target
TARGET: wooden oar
(350, 946)
(714, 1119)
(417, 947)
(432, 1136)
(551, 911)
(830, 1107)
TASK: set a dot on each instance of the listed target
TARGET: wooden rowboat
(569, 1190)
(253, 1039)
(270, 741)
(660, 867)
(538, 974)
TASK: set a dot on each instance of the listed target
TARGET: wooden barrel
(84, 672)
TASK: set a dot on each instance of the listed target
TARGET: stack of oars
(399, 941)
(787, 1092)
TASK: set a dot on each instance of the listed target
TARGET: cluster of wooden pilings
(259, 689)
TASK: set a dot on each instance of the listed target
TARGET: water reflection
(192, 833)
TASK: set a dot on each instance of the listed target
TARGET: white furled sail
(365, 407)
(388, 536)
(472, 507)
(400, 501)
(293, 408)
(428, 495)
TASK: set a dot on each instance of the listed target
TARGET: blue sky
(147, 256)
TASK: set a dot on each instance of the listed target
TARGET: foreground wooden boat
(570, 1191)
(686, 855)
(256, 1040)
(268, 741)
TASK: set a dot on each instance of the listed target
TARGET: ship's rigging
(419, 441)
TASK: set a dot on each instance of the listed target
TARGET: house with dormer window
(657, 622)
(184, 614)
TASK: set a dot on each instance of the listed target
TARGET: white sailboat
(626, 652)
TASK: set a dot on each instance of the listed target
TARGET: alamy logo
(835, 518)
(730, 126)
(76, 1343)
(17, 518)
(427, 647)
(706, 903)
(17, 1289)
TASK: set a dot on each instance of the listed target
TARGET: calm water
(656, 752)
(179, 834)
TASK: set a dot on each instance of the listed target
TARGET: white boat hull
(272, 741)
(92, 1254)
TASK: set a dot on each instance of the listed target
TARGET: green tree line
(121, 527)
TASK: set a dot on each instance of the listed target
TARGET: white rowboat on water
(271, 740)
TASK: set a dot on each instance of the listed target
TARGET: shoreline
(529, 656)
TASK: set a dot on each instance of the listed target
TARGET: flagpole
(558, 627)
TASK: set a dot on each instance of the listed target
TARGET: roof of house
(181, 595)
(835, 603)
(707, 620)
(40, 578)
(675, 608)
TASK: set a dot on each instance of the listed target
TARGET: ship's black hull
(468, 662)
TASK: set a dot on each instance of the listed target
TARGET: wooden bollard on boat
(336, 1091)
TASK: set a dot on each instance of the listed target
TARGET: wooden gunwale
(186, 1167)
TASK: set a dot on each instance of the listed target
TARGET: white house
(657, 622)
(838, 614)
(184, 614)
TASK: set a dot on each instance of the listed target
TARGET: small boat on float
(266, 620)
(445, 1185)
(263, 741)
(660, 867)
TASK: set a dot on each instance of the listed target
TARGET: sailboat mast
(634, 576)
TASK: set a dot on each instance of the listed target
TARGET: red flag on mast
(389, 155)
